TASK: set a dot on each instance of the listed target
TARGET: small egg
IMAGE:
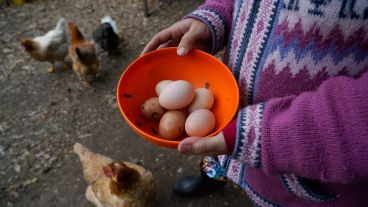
(172, 124)
(161, 85)
(203, 100)
(152, 110)
(177, 95)
(200, 123)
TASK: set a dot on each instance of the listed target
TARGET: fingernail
(185, 148)
(181, 51)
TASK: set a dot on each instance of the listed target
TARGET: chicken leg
(51, 69)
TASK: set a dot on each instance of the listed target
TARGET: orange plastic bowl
(199, 68)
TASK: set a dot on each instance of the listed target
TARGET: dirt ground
(42, 114)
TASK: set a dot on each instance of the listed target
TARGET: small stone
(140, 162)
(29, 181)
(14, 194)
(37, 166)
(17, 168)
(26, 153)
(3, 127)
(21, 15)
(40, 154)
(52, 160)
(180, 170)
(6, 50)
(47, 169)
(58, 165)
(34, 143)
(53, 103)
(2, 152)
(26, 67)
(47, 156)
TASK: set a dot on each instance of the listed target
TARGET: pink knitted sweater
(301, 134)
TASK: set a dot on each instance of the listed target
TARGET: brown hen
(115, 184)
(83, 54)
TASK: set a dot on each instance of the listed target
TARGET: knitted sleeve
(217, 15)
(318, 135)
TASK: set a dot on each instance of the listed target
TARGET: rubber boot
(194, 185)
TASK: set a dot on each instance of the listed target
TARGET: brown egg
(203, 100)
(152, 110)
(200, 123)
(172, 125)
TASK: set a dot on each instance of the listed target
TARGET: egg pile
(174, 99)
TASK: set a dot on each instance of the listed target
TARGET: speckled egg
(152, 110)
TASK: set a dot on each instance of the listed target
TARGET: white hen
(51, 47)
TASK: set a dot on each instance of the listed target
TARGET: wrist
(229, 134)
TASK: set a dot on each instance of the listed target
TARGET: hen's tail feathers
(61, 25)
(92, 162)
(108, 19)
(80, 150)
(75, 35)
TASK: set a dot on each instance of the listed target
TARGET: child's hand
(203, 145)
(186, 34)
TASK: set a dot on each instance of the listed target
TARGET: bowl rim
(160, 141)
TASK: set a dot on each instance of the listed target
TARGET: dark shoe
(192, 185)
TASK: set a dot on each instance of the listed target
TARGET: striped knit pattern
(277, 49)
(215, 23)
(241, 24)
(296, 185)
(233, 169)
(256, 198)
(248, 137)
(255, 47)
(314, 53)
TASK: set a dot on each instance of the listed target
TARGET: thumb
(187, 42)
(203, 145)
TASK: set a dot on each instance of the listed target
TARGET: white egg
(203, 100)
(161, 85)
(176, 95)
(200, 123)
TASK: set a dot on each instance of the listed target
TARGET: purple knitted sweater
(301, 137)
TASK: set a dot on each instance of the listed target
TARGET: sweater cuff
(215, 23)
(229, 134)
(248, 135)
